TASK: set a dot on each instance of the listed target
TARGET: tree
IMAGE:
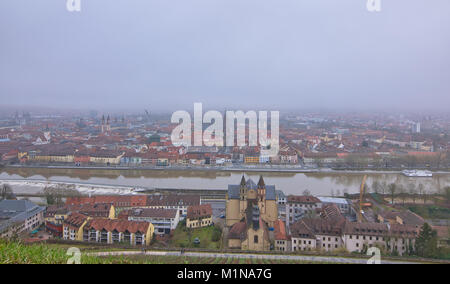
(383, 187)
(392, 188)
(306, 192)
(412, 191)
(447, 194)
(403, 194)
(216, 234)
(421, 192)
(376, 186)
(6, 192)
(55, 195)
(426, 242)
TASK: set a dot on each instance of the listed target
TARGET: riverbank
(107, 180)
(34, 188)
(240, 168)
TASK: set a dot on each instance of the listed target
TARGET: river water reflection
(290, 183)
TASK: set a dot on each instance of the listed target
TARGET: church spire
(261, 183)
(243, 181)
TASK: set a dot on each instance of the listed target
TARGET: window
(115, 236)
(255, 239)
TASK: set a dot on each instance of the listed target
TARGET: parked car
(196, 241)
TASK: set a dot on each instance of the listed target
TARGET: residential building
(55, 215)
(403, 217)
(281, 204)
(299, 206)
(343, 204)
(73, 226)
(163, 220)
(329, 235)
(118, 231)
(17, 216)
(199, 216)
(282, 240)
(179, 202)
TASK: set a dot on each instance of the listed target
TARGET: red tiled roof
(137, 200)
(118, 225)
(238, 231)
(199, 211)
(75, 220)
(280, 230)
(148, 212)
(302, 199)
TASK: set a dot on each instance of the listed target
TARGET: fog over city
(168, 54)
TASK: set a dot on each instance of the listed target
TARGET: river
(31, 180)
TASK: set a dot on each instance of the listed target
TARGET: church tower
(243, 189)
(243, 197)
(103, 124)
(108, 126)
(261, 188)
(262, 195)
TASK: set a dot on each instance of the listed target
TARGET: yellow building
(239, 196)
(61, 157)
(250, 209)
(73, 226)
(55, 216)
(251, 159)
(106, 158)
(251, 233)
(199, 216)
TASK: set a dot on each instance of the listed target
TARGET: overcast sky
(272, 54)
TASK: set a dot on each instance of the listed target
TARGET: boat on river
(417, 173)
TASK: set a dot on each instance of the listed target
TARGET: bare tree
(392, 188)
(384, 187)
(6, 192)
(403, 194)
(55, 195)
(376, 186)
(421, 193)
(447, 194)
(412, 191)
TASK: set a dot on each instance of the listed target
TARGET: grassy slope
(181, 237)
(18, 253)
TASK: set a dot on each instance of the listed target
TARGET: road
(326, 259)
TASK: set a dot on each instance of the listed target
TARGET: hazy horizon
(255, 54)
